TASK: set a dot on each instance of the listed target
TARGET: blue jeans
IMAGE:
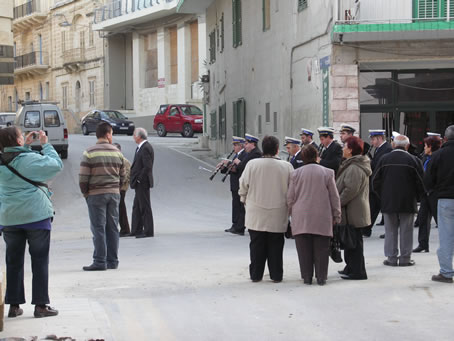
(103, 212)
(446, 235)
(38, 247)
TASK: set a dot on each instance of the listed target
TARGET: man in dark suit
(294, 151)
(306, 138)
(252, 152)
(331, 154)
(141, 182)
(382, 147)
(237, 206)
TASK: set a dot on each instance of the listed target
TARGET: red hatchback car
(178, 118)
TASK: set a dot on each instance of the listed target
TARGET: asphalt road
(191, 282)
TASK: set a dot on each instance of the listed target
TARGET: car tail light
(65, 133)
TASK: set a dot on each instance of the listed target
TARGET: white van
(46, 116)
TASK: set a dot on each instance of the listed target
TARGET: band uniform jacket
(331, 157)
(253, 154)
(385, 148)
(234, 174)
(142, 167)
(296, 160)
(314, 145)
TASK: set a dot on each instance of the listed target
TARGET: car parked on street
(185, 119)
(119, 122)
(7, 119)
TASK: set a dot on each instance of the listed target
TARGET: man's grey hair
(401, 141)
(141, 132)
(449, 133)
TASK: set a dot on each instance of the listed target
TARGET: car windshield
(114, 114)
(191, 110)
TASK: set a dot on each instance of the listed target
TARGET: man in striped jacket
(102, 172)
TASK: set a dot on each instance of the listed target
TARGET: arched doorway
(77, 96)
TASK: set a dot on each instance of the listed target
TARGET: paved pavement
(191, 282)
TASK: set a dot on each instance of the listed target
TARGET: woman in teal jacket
(25, 215)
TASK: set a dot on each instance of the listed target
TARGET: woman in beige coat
(353, 186)
(314, 206)
(263, 190)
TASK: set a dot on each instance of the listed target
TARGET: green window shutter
(426, 9)
(222, 119)
(213, 125)
(222, 32)
(302, 4)
(239, 20)
(234, 30)
(235, 119)
(444, 13)
(241, 117)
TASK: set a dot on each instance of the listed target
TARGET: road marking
(193, 157)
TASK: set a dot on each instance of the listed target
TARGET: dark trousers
(313, 252)
(238, 212)
(354, 258)
(375, 206)
(123, 219)
(142, 216)
(38, 247)
(266, 247)
(427, 210)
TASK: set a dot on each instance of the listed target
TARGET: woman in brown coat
(353, 186)
(314, 206)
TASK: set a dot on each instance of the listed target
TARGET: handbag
(335, 252)
(345, 234)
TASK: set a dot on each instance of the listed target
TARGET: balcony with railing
(73, 58)
(31, 13)
(387, 20)
(32, 64)
(119, 15)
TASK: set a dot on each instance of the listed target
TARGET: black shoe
(143, 235)
(276, 280)
(256, 280)
(382, 236)
(410, 263)
(321, 281)
(232, 230)
(366, 231)
(342, 272)
(15, 311)
(438, 278)
(45, 311)
(353, 277)
(389, 263)
(112, 266)
(125, 235)
(308, 281)
(94, 267)
(421, 249)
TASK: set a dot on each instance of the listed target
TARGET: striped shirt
(102, 169)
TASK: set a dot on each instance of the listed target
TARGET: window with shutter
(212, 37)
(236, 22)
(302, 4)
(222, 33)
(222, 122)
(239, 117)
(266, 15)
(213, 125)
(448, 14)
(426, 9)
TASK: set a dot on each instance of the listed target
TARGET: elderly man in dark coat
(398, 181)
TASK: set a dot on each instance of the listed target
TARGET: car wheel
(64, 154)
(85, 130)
(161, 130)
(187, 130)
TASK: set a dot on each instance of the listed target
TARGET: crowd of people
(345, 183)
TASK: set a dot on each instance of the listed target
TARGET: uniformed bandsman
(294, 151)
(251, 151)
(306, 138)
(331, 155)
(346, 130)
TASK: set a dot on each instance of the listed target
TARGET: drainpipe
(291, 63)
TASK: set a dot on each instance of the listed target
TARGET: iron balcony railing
(118, 8)
(32, 58)
(27, 8)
